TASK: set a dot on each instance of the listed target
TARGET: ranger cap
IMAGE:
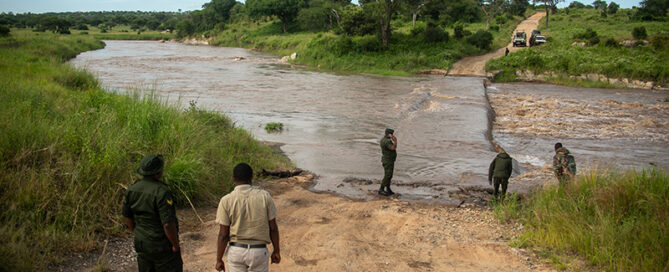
(390, 131)
(151, 164)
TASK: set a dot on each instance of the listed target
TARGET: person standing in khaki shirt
(247, 220)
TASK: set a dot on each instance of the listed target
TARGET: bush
(81, 27)
(434, 33)
(661, 42)
(611, 42)
(590, 36)
(639, 33)
(418, 29)
(494, 28)
(459, 31)
(274, 127)
(481, 39)
(83, 33)
(367, 43)
(358, 23)
(4, 31)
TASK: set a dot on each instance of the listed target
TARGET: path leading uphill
(475, 66)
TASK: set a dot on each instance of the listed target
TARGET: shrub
(367, 43)
(459, 31)
(83, 32)
(4, 31)
(481, 39)
(494, 28)
(274, 127)
(434, 33)
(343, 46)
(81, 27)
(639, 33)
(661, 42)
(358, 23)
(611, 42)
(418, 29)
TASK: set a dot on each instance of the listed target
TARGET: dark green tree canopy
(285, 10)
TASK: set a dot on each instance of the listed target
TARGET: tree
(382, 10)
(550, 4)
(285, 10)
(613, 8)
(577, 5)
(220, 9)
(414, 6)
(653, 9)
(56, 24)
(599, 4)
(518, 7)
(490, 8)
(185, 28)
(4, 31)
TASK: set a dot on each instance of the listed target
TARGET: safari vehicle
(533, 37)
(520, 39)
(538, 40)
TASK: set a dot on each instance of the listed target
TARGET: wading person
(564, 164)
(247, 223)
(499, 173)
(149, 212)
(388, 156)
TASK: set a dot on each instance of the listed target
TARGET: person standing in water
(388, 156)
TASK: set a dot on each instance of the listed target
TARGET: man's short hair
(242, 173)
(558, 145)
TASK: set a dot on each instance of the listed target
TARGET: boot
(383, 192)
(390, 192)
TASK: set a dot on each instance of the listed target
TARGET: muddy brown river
(333, 122)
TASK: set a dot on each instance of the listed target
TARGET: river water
(333, 122)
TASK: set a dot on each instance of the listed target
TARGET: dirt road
(475, 66)
(322, 232)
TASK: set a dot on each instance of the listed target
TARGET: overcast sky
(40, 6)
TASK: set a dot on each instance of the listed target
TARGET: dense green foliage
(615, 221)
(602, 53)
(68, 149)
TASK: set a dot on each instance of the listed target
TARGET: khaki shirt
(247, 210)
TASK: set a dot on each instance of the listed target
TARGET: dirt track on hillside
(475, 66)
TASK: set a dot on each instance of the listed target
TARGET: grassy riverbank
(616, 221)
(115, 33)
(407, 54)
(602, 55)
(68, 150)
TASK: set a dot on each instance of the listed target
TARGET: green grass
(646, 63)
(116, 33)
(617, 221)
(406, 55)
(274, 127)
(68, 150)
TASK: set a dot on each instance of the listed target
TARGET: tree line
(340, 16)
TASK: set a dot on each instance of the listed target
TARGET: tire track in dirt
(475, 66)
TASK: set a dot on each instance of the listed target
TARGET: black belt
(247, 246)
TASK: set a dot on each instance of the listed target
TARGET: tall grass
(68, 150)
(615, 221)
(646, 63)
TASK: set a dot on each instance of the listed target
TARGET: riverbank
(410, 52)
(607, 57)
(69, 148)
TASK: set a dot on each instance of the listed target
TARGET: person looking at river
(247, 220)
(500, 171)
(148, 211)
(564, 164)
(388, 156)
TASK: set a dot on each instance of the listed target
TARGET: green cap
(150, 165)
(390, 131)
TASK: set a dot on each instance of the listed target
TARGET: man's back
(247, 210)
(149, 202)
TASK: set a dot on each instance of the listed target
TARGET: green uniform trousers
(500, 181)
(388, 168)
(158, 262)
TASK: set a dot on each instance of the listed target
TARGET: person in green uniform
(500, 171)
(564, 165)
(148, 211)
(388, 156)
